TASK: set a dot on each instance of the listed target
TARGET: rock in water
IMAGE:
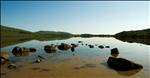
(114, 51)
(38, 61)
(101, 46)
(122, 64)
(49, 48)
(64, 46)
(4, 55)
(11, 66)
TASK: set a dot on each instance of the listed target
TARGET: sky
(77, 17)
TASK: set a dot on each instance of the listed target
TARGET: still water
(84, 62)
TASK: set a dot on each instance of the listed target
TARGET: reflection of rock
(49, 48)
(101, 46)
(72, 49)
(50, 52)
(122, 64)
(63, 46)
(91, 46)
(114, 51)
(128, 73)
(18, 54)
(32, 49)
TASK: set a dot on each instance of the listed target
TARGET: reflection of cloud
(128, 73)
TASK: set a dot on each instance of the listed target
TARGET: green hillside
(139, 36)
(10, 36)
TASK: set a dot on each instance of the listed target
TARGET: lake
(84, 62)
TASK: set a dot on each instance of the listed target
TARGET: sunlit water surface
(84, 62)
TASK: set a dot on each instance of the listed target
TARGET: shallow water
(84, 62)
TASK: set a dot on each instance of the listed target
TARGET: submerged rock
(38, 60)
(114, 51)
(12, 66)
(64, 46)
(122, 64)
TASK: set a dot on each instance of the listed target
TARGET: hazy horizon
(76, 17)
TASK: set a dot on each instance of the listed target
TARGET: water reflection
(128, 73)
(137, 40)
(18, 54)
(49, 52)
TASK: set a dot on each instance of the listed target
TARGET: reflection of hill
(51, 38)
(10, 36)
(139, 36)
(137, 40)
(7, 41)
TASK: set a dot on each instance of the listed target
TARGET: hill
(11, 35)
(139, 36)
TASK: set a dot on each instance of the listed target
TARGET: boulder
(122, 64)
(19, 49)
(114, 51)
(5, 55)
(49, 48)
(64, 46)
(101, 46)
